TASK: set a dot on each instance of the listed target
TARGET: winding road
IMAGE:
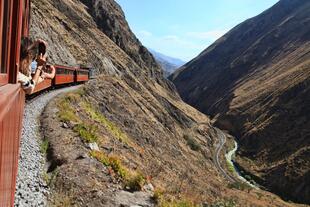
(222, 141)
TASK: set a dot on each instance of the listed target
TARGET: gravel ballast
(30, 187)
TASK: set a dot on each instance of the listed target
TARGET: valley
(130, 137)
(254, 83)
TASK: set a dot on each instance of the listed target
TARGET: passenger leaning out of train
(33, 54)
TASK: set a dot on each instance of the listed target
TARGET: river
(230, 157)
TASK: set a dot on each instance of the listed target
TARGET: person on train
(29, 53)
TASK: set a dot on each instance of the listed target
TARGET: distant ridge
(168, 64)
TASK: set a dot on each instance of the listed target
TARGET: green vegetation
(163, 201)
(44, 146)
(239, 186)
(87, 132)
(259, 195)
(192, 143)
(230, 167)
(66, 112)
(46, 177)
(224, 203)
(81, 91)
(175, 203)
(49, 178)
(111, 127)
(158, 195)
(133, 180)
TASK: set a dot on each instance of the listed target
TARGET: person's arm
(50, 75)
(41, 62)
(37, 75)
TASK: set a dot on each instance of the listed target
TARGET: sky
(184, 28)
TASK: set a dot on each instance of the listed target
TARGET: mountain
(127, 127)
(168, 64)
(255, 82)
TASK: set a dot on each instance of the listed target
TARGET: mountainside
(127, 130)
(168, 64)
(255, 82)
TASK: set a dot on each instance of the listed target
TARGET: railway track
(31, 190)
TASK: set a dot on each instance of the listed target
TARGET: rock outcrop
(255, 82)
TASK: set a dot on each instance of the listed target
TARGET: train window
(58, 70)
(4, 32)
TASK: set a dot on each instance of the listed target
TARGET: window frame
(4, 77)
(13, 36)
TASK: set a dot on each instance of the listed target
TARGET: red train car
(81, 75)
(64, 75)
(14, 18)
(47, 83)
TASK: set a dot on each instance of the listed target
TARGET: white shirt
(26, 81)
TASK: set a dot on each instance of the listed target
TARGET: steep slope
(255, 81)
(135, 117)
(168, 64)
(110, 18)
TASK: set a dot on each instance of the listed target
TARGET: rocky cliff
(255, 82)
(137, 120)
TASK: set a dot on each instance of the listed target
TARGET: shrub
(117, 167)
(168, 201)
(44, 146)
(100, 156)
(224, 203)
(239, 186)
(179, 203)
(87, 132)
(158, 195)
(133, 180)
(192, 143)
(66, 112)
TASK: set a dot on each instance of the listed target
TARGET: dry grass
(111, 127)
(192, 143)
(66, 112)
(61, 200)
(131, 179)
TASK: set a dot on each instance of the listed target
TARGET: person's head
(28, 52)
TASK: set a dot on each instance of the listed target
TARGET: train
(65, 75)
(14, 25)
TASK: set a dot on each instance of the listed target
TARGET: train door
(13, 24)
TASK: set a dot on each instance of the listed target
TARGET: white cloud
(173, 41)
(209, 35)
(171, 38)
(144, 33)
(184, 46)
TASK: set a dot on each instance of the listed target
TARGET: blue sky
(184, 28)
